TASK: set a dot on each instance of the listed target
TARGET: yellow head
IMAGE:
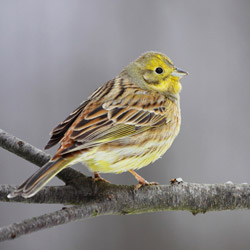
(155, 71)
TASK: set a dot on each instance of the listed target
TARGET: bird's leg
(142, 181)
(97, 177)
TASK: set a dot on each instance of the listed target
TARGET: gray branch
(102, 199)
(90, 199)
(33, 155)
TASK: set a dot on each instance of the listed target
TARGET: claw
(139, 185)
(142, 181)
(97, 177)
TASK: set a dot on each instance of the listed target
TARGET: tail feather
(39, 179)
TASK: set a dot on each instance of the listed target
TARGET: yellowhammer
(124, 125)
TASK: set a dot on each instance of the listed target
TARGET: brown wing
(59, 131)
(126, 113)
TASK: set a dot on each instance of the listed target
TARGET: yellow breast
(136, 151)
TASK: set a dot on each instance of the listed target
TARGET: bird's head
(155, 71)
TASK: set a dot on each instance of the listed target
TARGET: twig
(33, 154)
(52, 219)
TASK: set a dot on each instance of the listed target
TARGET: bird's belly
(130, 153)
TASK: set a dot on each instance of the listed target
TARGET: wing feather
(104, 118)
(117, 123)
(58, 132)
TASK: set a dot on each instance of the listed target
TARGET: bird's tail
(36, 181)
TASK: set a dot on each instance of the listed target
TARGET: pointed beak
(179, 73)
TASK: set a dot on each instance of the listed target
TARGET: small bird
(124, 125)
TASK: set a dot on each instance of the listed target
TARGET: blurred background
(54, 54)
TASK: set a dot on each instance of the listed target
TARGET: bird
(126, 124)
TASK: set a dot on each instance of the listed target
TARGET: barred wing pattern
(114, 111)
(58, 133)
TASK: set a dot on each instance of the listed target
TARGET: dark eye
(159, 70)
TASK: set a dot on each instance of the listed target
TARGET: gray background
(53, 54)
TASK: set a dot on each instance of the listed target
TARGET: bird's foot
(142, 181)
(97, 177)
(145, 183)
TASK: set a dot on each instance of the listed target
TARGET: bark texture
(87, 198)
(33, 154)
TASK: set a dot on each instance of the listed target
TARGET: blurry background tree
(55, 53)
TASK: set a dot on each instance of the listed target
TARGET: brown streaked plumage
(124, 125)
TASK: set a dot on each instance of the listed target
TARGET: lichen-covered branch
(33, 154)
(102, 199)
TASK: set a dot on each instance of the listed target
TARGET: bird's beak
(179, 73)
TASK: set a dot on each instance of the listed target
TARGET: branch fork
(87, 198)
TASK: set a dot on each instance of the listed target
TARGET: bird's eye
(159, 70)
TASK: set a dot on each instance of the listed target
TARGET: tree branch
(114, 199)
(92, 199)
(33, 155)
